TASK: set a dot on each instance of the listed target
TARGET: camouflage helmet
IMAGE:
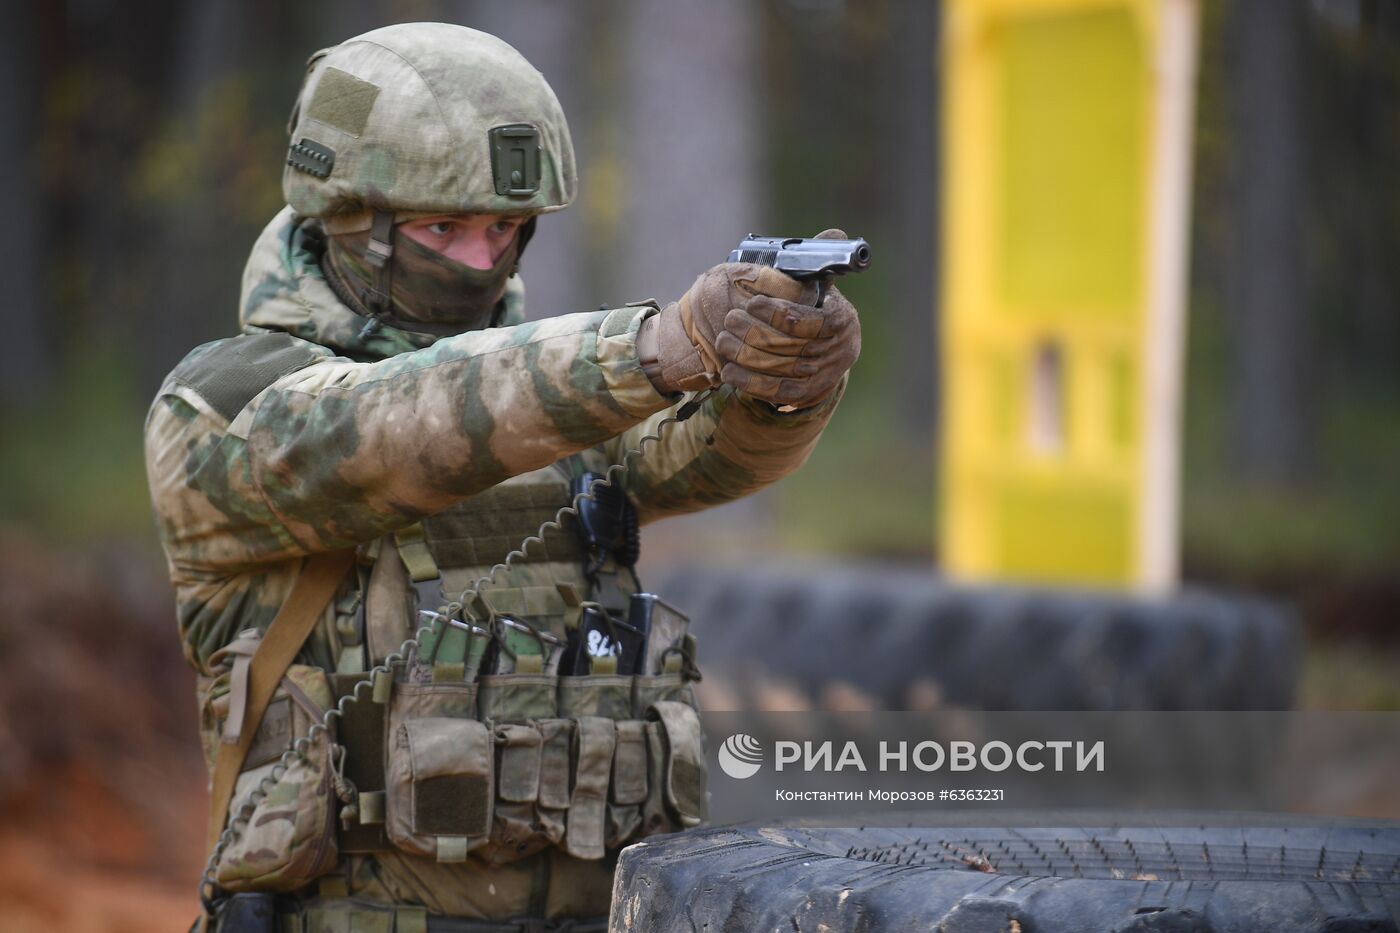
(426, 118)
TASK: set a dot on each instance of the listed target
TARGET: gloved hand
(756, 329)
(779, 348)
(677, 347)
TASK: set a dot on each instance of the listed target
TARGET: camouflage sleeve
(732, 446)
(338, 452)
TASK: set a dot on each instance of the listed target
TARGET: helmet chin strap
(379, 255)
(527, 230)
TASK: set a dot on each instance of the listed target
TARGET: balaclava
(428, 292)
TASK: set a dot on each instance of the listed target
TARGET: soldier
(382, 432)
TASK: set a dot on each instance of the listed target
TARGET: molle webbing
(483, 529)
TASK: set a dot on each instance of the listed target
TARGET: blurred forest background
(144, 143)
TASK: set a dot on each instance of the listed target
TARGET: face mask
(430, 292)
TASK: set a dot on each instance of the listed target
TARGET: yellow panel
(1074, 534)
(1126, 402)
(1010, 391)
(1049, 109)
(1071, 160)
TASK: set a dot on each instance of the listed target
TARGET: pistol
(806, 259)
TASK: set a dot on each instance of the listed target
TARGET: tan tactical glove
(756, 329)
(677, 347)
(779, 348)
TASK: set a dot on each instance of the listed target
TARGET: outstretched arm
(337, 452)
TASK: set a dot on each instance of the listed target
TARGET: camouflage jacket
(301, 435)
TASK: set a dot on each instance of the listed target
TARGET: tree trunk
(1270, 394)
(689, 148)
(197, 298)
(24, 313)
(914, 120)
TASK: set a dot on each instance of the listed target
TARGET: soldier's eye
(504, 226)
(441, 228)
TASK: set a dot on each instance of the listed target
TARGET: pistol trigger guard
(823, 284)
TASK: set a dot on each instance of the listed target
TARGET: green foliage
(1349, 676)
(1341, 521)
(867, 489)
(217, 159)
(1344, 521)
(73, 468)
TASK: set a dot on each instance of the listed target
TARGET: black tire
(999, 648)
(1289, 877)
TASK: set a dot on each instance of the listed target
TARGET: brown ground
(75, 855)
(101, 785)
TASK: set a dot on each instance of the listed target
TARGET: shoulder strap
(315, 585)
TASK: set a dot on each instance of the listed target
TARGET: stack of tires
(891, 634)
(888, 632)
(1279, 876)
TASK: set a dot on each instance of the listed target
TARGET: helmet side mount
(515, 159)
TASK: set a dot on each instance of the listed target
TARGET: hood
(285, 290)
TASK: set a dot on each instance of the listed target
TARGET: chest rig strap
(426, 579)
(413, 550)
